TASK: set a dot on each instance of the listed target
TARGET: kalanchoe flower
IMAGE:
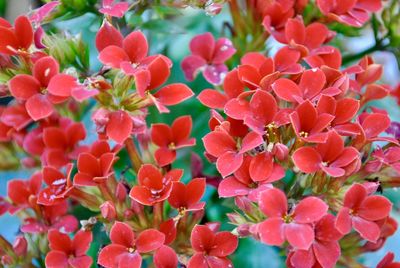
(125, 248)
(186, 197)
(293, 225)
(361, 212)
(169, 139)
(388, 261)
(332, 156)
(384, 158)
(58, 186)
(325, 251)
(65, 252)
(394, 129)
(209, 57)
(112, 9)
(211, 247)
(23, 193)
(308, 124)
(17, 39)
(44, 88)
(95, 166)
(153, 185)
(222, 145)
(40, 14)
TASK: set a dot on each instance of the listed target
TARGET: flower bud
(20, 246)
(120, 192)
(108, 211)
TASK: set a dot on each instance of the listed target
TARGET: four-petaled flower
(186, 197)
(125, 248)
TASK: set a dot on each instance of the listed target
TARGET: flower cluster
(295, 137)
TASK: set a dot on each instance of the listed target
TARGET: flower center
(172, 146)
(287, 218)
(303, 134)
(131, 250)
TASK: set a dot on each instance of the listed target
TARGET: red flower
(23, 193)
(108, 7)
(331, 157)
(325, 251)
(186, 197)
(229, 154)
(308, 124)
(125, 248)
(153, 185)
(16, 40)
(388, 261)
(208, 56)
(169, 139)
(293, 225)
(370, 126)
(361, 211)
(61, 143)
(42, 12)
(211, 248)
(384, 158)
(95, 166)
(45, 87)
(58, 186)
(15, 116)
(354, 13)
(65, 252)
(254, 176)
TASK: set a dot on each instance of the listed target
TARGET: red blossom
(95, 166)
(211, 248)
(125, 248)
(17, 39)
(169, 139)
(65, 252)
(332, 156)
(108, 7)
(58, 186)
(153, 185)
(361, 212)
(388, 261)
(308, 124)
(186, 197)
(294, 225)
(208, 56)
(23, 193)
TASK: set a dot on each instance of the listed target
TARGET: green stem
(353, 57)
(133, 154)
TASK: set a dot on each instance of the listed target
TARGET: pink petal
(367, 229)
(62, 85)
(327, 253)
(119, 126)
(215, 74)
(307, 159)
(273, 203)
(300, 236)
(135, 46)
(212, 99)
(39, 107)
(149, 240)
(271, 231)
(203, 46)
(286, 90)
(228, 163)
(231, 187)
(309, 210)
(191, 66)
(113, 56)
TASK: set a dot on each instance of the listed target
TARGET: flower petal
(300, 236)
(38, 107)
(309, 210)
(149, 240)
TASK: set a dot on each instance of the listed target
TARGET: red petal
(311, 83)
(181, 128)
(303, 258)
(149, 240)
(225, 243)
(80, 262)
(108, 36)
(59, 241)
(135, 46)
(295, 31)
(212, 99)
(110, 255)
(261, 167)
(119, 126)
(346, 109)
(223, 51)
(173, 94)
(161, 135)
(8, 40)
(300, 236)
(81, 242)
(165, 257)
(44, 69)
(231, 187)
(286, 89)
(367, 229)
(375, 208)
(122, 234)
(23, 86)
(375, 124)
(271, 231)
(160, 70)
(273, 203)
(307, 159)
(113, 56)
(229, 162)
(332, 148)
(142, 195)
(217, 143)
(164, 156)
(39, 107)
(88, 164)
(56, 259)
(202, 238)
(195, 190)
(198, 260)
(177, 197)
(316, 34)
(62, 85)
(309, 210)
(355, 196)
(343, 221)
(203, 45)
(237, 108)
(327, 253)
(149, 175)
(250, 141)
(24, 32)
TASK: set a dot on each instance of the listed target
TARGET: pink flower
(211, 248)
(114, 9)
(294, 225)
(209, 57)
(360, 211)
(125, 248)
(65, 252)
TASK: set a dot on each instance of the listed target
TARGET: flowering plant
(298, 153)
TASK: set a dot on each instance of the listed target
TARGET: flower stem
(133, 154)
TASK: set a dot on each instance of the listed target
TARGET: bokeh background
(171, 37)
